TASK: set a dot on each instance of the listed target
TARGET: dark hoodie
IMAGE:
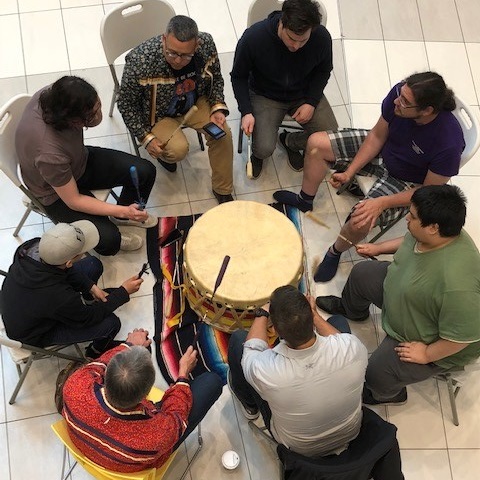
(265, 65)
(36, 297)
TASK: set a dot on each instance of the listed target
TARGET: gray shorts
(345, 144)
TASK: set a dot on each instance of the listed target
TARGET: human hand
(133, 212)
(413, 352)
(248, 122)
(218, 118)
(98, 294)
(155, 148)
(187, 362)
(139, 337)
(339, 178)
(367, 250)
(132, 284)
(304, 113)
(366, 212)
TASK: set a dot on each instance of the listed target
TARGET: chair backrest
(10, 115)
(373, 454)
(260, 9)
(131, 23)
(471, 129)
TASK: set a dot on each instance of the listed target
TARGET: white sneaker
(151, 221)
(130, 241)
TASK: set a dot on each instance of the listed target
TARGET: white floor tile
(333, 18)
(8, 7)
(400, 20)
(469, 185)
(426, 465)
(239, 14)
(79, 3)
(11, 53)
(37, 82)
(82, 30)
(35, 6)
(464, 463)
(360, 23)
(365, 115)
(4, 458)
(469, 12)
(9, 87)
(450, 60)
(405, 58)
(440, 24)
(367, 85)
(473, 52)
(43, 32)
(226, 62)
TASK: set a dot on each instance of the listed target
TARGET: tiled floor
(381, 41)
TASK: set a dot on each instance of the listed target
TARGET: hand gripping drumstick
(220, 276)
(186, 118)
(345, 239)
(249, 157)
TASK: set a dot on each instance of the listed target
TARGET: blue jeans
(243, 390)
(101, 333)
(206, 389)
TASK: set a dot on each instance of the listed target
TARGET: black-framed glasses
(401, 101)
(175, 55)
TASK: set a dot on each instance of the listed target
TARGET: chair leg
(21, 379)
(240, 139)
(70, 470)
(22, 221)
(116, 89)
(453, 389)
(135, 144)
(197, 451)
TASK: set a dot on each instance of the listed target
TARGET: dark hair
(129, 377)
(429, 90)
(69, 98)
(300, 15)
(444, 205)
(183, 28)
(291, 315)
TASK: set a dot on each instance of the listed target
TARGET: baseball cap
(67, 240)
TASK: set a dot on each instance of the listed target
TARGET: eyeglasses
(401, 101)
(175, 55)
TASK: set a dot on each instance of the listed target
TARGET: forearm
(259, 329)
(316, 88)
(370, 148)
(322, 326)
(93, 206)
(389, 246)
(401, 199)
(443, 348)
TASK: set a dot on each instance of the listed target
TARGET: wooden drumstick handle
(315, 218)
(187, 117)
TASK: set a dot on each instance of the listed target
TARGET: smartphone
(214, 130)
(143, 270)
(169, 238)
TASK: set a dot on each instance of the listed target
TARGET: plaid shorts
(345, 144)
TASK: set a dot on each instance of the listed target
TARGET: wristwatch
(261, 312)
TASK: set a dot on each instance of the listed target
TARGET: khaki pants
(220, 152)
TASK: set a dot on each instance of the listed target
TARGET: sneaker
(295, 157)
(151, 221)
(222, 198)
(328, 268)
(130, 241)
(293, 199)
(257, 165)
(400, 399)
(90, 352)
(169, 167)
(251, 413)
(334, 305)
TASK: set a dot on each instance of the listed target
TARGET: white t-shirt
(314, 394)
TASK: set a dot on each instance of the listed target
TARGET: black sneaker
(334, 305)
(222, 198)
(249, 412)
(169, 167)
(295, 157)
(257, 165)
(400, 399)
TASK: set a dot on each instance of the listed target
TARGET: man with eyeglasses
(163, 78)
(416, 141)
(281, 66)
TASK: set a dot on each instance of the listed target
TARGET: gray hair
(129, 377)
(183, 28)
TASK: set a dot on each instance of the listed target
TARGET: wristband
(148, 138)
(183, 380)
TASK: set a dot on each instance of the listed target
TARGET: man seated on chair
(50, 295)
(61, 171)
(165, 77)
(429, 295)
(308, 387)
(282, 65)
(110, 419)
(416, 141)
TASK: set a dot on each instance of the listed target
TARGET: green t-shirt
(435, 294)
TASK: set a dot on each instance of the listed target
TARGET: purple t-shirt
(411, 149)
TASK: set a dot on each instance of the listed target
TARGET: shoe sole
(386, 404)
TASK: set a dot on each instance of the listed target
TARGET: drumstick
(249, 157)
(220, 276)
(315, 218)
(345, 239)
(134, 175)
(187, 116)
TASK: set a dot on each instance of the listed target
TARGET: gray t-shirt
(48, 157)
(314, 394)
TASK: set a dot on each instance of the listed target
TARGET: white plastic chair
(127, 26)
(259, 10)
(10, 115)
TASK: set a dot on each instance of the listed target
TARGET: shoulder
(147, 48)
(321, 34)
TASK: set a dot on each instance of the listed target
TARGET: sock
(334, 250)
(306, 197)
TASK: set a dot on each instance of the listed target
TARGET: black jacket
(264, 64)
(36, 297)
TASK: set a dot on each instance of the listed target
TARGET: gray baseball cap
(67, 240)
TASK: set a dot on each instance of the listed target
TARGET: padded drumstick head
(189, 114)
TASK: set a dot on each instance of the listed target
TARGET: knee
(95, 266)
(146, 170)
(263, 147)
(360, 272)
(177, 151)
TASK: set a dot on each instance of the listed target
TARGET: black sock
(334, 250)
(306, 197)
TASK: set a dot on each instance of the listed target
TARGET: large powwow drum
(266, 252)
